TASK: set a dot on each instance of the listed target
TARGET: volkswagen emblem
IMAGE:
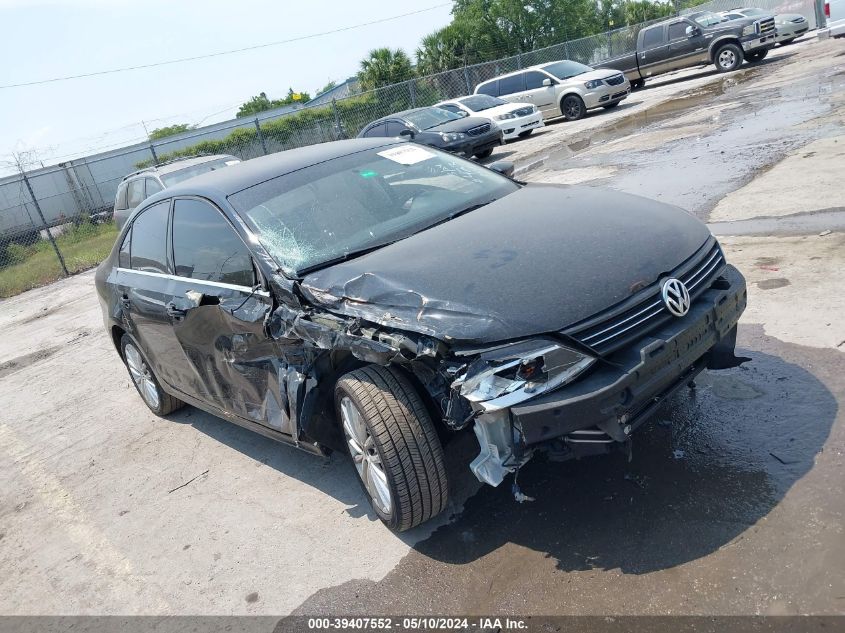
(676, 297)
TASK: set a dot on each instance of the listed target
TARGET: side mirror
(408, 133)
(504, 167)
(692, 31)
(547, 82)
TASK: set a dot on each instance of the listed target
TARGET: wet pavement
(692, 151)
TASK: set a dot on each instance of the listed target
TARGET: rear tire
(756, 57)
(728, 57)
(637, 84)
(485, 154)
(159, 401)
(393, 444)
(572, 107)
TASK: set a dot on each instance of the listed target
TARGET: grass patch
(83, 246)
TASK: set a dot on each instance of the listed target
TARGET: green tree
(327, 87)
(636, 11)
(383, 67)
(170, 130)
(262, 102)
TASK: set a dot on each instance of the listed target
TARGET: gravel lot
(732, 503)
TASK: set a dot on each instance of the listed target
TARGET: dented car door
(217, 311)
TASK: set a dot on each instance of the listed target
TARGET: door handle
(172, 311)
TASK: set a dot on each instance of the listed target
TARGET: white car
(515, 119)
(834, 11)
(563, 88)
(789, 26)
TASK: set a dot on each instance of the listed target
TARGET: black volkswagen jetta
(379, 297)
(436, 127)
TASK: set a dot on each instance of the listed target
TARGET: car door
(217, 314)
(512, 88)
(541, 96)
(653, 50)
(144, 286)
(685, 48)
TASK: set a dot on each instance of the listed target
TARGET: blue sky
(42, 39)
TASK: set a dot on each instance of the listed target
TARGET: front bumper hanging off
(608, 404)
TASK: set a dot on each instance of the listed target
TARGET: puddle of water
(695, 172)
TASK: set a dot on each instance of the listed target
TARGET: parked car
(696, 39)
(379, 297)
(516, 120)
(789, 26)
(834, 12)
(563, 88)
(436, 127)
(141, 184)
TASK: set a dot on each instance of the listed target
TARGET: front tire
(572, 107)
(729, 57)
(393, 444)
(757, 56)
(145, 381)
(485, 154)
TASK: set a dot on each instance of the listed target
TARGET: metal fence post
(413, 90)
(338, 128)
(519, 61)
(153, 152)
(44, 223)
(466, 79)
(566, 49)
(260, 136)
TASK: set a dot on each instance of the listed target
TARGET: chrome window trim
(216, 284)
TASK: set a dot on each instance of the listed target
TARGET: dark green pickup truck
(694, 40)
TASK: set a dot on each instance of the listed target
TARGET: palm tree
(384, 66)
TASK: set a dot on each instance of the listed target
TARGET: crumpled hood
(535, 261)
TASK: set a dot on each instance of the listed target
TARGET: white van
(834, 11)
(562, 88)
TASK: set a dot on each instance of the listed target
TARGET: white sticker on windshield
(407, 154)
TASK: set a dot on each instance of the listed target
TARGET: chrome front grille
(479, 130)
(767, 26)
(635, 317)
(524, 111)
(615, 80)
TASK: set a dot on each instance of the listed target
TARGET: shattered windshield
(361, 201)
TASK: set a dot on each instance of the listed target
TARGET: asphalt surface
(731, 503)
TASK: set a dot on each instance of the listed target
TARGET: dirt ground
(731, 504)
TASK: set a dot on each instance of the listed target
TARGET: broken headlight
(507, 375)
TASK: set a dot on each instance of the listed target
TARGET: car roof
(522, 70)
(224, 182)
(175, 165)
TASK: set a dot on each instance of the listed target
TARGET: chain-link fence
(56, 220)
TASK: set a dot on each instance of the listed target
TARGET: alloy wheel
(365, 455)
(142, 376)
